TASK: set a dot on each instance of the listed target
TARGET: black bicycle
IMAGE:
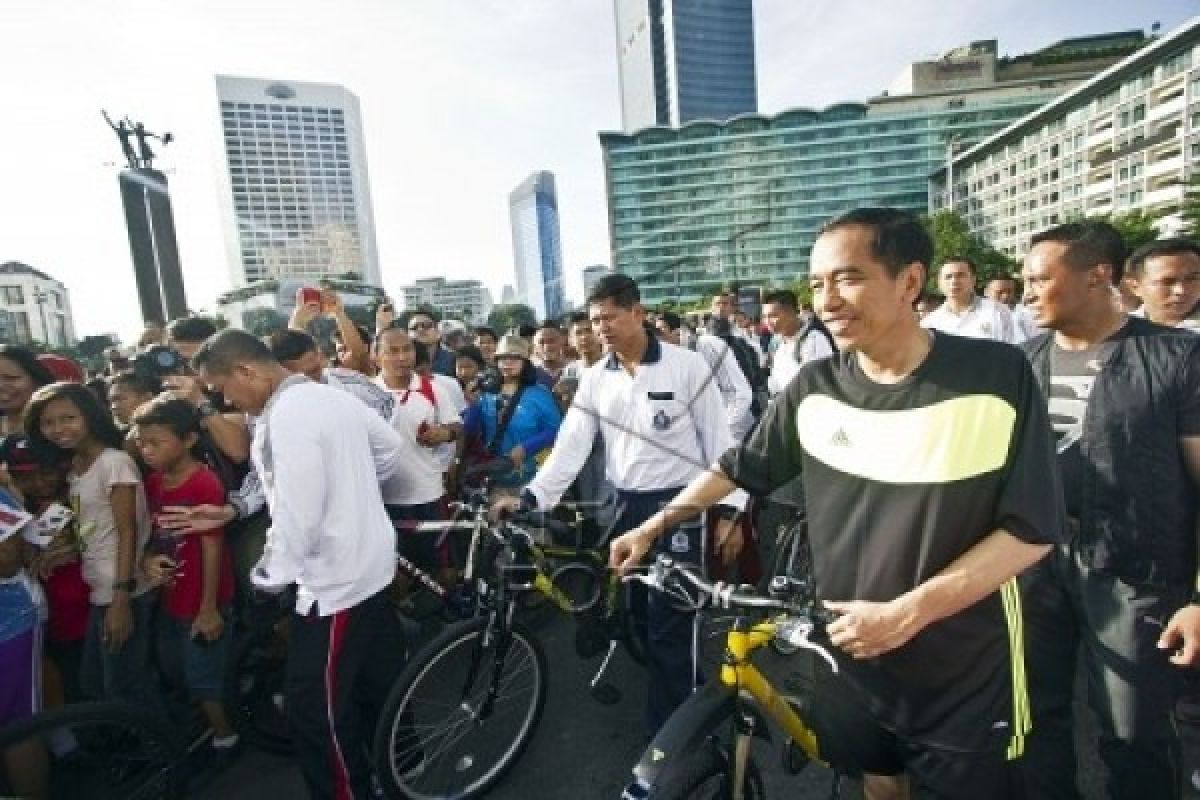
(466, 706)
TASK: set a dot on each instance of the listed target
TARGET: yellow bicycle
(703, 751)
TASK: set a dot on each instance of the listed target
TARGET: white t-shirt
(91, 500)
(414, 408)
(984, 319)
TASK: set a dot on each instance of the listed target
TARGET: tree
(1136, 228)
(94, 345)
(1189, 212)
(506, 317)
(952, 238)
(263, 321)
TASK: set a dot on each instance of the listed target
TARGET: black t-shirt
(1072, 373)
(901, 480)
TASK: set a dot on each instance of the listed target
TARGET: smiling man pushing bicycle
(928, 466)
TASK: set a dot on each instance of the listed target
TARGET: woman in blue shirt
(531, 412)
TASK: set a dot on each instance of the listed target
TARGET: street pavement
(584, 751)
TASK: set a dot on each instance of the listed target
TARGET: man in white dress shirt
(1165, 275)
(661, 418)
(321, 455)
(965, 313)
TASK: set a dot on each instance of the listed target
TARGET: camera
(488, 381)
(159, 361)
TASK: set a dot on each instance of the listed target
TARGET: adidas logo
(840, 439)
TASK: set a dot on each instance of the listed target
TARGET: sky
(461, 100)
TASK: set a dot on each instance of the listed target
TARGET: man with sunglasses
(423, 327)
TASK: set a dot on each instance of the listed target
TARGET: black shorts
(850, 738)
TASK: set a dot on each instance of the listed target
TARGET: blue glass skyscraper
(537, 249)
(684, 60)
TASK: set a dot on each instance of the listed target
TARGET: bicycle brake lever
(808, 644)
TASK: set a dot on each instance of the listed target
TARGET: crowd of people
(994, 487)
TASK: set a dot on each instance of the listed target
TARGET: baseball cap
(62, 368)
(19, 454)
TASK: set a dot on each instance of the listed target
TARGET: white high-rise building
(468, 299)
(591, 276)
(34, 307)
(537, 250)
(295, 196)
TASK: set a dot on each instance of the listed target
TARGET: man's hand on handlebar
(868, 630)
(504, 507)
(626, 551)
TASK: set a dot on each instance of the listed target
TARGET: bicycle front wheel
(461, 713)
(706, 775)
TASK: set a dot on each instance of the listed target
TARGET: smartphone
(307, 295)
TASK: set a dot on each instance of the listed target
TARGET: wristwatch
(125, 586)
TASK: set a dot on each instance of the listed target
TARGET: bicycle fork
(743, 736)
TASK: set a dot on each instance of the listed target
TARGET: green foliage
(507, 317)
(263, 321)
(1190, 210)
(952, 238)
(1136, 227)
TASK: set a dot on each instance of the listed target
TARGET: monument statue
(127, 130)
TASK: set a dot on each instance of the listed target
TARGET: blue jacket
(534, 426)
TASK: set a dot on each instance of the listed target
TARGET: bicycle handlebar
(796, 630)
(723, 595)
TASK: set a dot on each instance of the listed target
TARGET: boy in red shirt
(196, 572)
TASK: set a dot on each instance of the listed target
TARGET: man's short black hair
(622, 290)
(897, 237)
(781, 297)
(224, 350)
(472, 352)
(576, 317)
(526, 331)
(137, 381)
(1178, 246)
(290, 344)
(484, 330)
(1088, 243)
(671, 318)
(549, 325)
(363, 334)
(173, 413)
(420, 312)
(191, 329)
(974, 270)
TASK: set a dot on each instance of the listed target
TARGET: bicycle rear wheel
(121, 752)
(437, 738)
(253, 691)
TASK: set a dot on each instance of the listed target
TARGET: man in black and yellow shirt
(928, 466)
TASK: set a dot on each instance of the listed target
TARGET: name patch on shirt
(661, 395)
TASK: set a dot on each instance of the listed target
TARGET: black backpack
(756, 376)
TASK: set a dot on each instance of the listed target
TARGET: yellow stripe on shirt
(948, 441)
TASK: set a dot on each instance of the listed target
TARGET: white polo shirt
(736, 394)
(662, 426)
(983, 319)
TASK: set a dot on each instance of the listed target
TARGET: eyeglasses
(420, 326)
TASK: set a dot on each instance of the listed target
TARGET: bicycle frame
(739, 674)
